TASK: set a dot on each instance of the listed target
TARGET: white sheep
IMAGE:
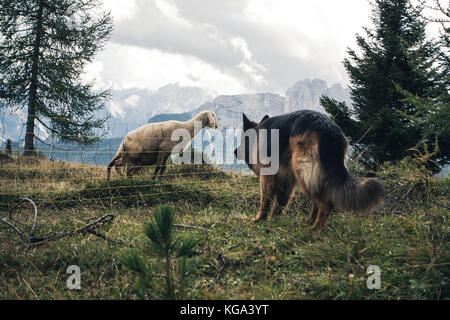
(152, 144)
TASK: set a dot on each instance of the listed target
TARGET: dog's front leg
(267, 196)
(283, 196)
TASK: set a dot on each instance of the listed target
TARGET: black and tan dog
(312, 151)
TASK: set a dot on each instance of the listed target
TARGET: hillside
(170, 116)
(281, 259)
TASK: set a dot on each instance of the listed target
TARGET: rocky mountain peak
(306, 94)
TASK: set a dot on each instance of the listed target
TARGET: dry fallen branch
(222, 268)
(441, 205)
(90, 228)
(16, 229)
(192, 227)
(32, 240)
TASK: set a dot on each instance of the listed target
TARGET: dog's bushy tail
(352, 195)
(346, 192)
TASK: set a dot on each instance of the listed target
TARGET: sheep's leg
(163, 168)
(118, 166)
(161, 163)
(133, 155)
(132, 170)
(164, 164)
(120, 163)
(158, 168)
(115, 162)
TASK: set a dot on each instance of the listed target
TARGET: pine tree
(394, 54)
(433, 114)
(44, 46)
(8, 148)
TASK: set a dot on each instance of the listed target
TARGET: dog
(311, 152)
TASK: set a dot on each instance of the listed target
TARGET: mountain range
(131, 108)
(303, 95)
(12, 126)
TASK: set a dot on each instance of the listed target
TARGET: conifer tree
(44, 47)
(394, 57)
(8, 148)
(433, 114)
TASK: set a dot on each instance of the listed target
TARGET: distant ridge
(133, 107)
(170, 116)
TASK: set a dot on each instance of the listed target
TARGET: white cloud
(124, 67)
(122, 9)
(116, 109)
(171, 12)
(248, 65)
(92, 72)
(132, 101)
(231, 46)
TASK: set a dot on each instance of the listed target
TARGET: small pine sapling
(166, 246)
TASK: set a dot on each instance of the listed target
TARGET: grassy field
(281, 259)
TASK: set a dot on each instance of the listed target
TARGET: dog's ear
(265, 118)
(248, 124)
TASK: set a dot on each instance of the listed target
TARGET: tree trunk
(32, 101)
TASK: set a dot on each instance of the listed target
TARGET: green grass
(283, 258)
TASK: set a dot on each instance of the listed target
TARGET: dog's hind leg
(267, 196)
(313, 214)
(325, 208)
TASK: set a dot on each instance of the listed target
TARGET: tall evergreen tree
(8, 148)
(394, 55)
(44, 46)
(433, 114)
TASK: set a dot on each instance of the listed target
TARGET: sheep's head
(207, 118)
(210, 120)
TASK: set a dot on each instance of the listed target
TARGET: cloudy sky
(228, 46)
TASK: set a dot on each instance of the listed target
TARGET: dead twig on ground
(192, 227)
(32, 240)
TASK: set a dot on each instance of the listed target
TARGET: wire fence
(77, 177)
(67, 173)
(70, 199)
(60, 182)
(50, 146)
